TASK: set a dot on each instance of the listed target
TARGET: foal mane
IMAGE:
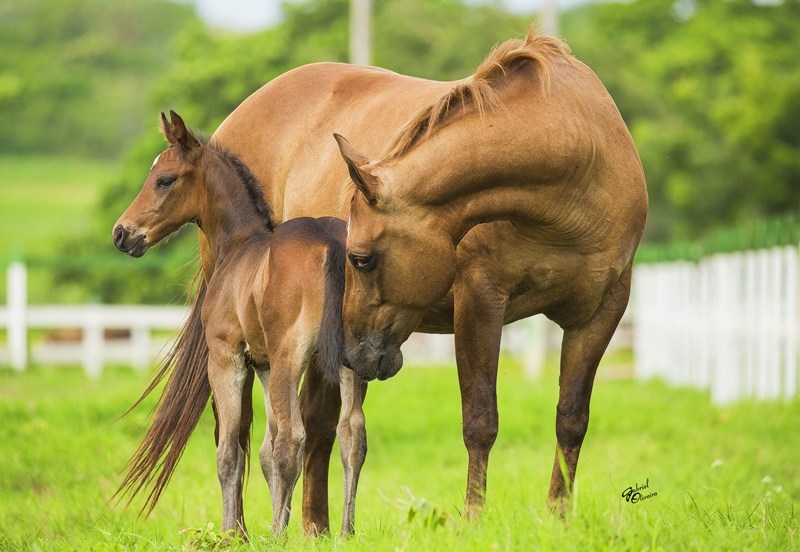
(479, 90)
(250, 182)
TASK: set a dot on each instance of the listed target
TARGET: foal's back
(273, 288)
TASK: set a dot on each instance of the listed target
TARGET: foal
(273, 304)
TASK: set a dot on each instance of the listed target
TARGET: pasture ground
(726, 478)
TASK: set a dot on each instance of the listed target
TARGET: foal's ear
(176, 133)
(365, 181)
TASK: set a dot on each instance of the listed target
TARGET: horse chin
(389, 364)
(138, 248)
(380, 367)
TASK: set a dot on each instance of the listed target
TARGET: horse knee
(571, 425)
(480, 430)
(287, 453)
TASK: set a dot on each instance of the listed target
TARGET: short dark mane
(251, 183)
(478, 91)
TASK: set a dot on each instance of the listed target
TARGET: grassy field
(44, 201)
(724, 478)
(45, 197)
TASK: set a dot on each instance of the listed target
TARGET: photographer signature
(638, 492)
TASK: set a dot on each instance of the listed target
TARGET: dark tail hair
(182, 401)
(331, 331)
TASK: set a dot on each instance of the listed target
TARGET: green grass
(726, 478)
(45, 198)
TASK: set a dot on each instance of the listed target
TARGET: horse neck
(227, 215)
(482, 170)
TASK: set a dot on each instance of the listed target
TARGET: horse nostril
(119, 236)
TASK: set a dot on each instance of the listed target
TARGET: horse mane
(479, 90)
(248, 179)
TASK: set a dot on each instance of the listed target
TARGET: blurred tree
(75, 75)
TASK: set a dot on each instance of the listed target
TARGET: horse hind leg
(319, 403)
(287, 449)
(265, 452)
(581, 351)
(227, 375)
(352, 434)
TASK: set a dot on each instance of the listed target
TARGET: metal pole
(360, 32)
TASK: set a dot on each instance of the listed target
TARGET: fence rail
(728, 323)
(526, 339)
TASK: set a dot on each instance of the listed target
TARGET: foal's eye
(166, 181)
(364, 263)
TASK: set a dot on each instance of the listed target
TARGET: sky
(251, 15)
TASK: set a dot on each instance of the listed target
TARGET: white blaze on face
(155, 161)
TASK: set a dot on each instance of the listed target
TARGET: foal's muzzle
(133, 245)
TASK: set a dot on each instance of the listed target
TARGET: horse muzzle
(371, 362)
(132, 244)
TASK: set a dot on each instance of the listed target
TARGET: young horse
(272, 304)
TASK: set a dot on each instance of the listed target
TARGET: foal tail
(182, 401)
(331, 331)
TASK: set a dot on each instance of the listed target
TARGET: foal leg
(245, 427)
(227, 374)
(287, 449)
(319, 405)
(265, 452)
(352, 434)
(581, 351)
(478, 326)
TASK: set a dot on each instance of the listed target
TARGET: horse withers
(272, 304)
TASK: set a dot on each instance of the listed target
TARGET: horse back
(283, 131)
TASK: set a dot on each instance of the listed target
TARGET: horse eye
(166, 182)
(364, 263)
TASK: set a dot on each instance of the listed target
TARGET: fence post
(93, 342)
(140, 343)
(17, 301)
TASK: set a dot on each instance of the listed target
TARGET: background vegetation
(725, 478)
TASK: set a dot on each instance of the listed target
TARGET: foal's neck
(228, 214)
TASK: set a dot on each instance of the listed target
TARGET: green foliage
(735, 488)
(75, 75)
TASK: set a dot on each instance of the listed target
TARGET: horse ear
(366, 182)
(166, 130)
(181, 135)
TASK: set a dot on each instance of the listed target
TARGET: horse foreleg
(478, 327)
(227, 374)
(581, 351)
(287, 449)
(352, 434)
(319, 405)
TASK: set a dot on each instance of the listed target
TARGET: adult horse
(529, 185)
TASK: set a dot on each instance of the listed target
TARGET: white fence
(92, 349)
(728, 323)
(526, 339)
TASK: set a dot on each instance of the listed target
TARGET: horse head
(166, 201)
(400, 262)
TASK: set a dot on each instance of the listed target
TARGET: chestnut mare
(272, 305)
(515, 191)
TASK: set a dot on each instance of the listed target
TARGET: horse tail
(182, 401)
(331, 331)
